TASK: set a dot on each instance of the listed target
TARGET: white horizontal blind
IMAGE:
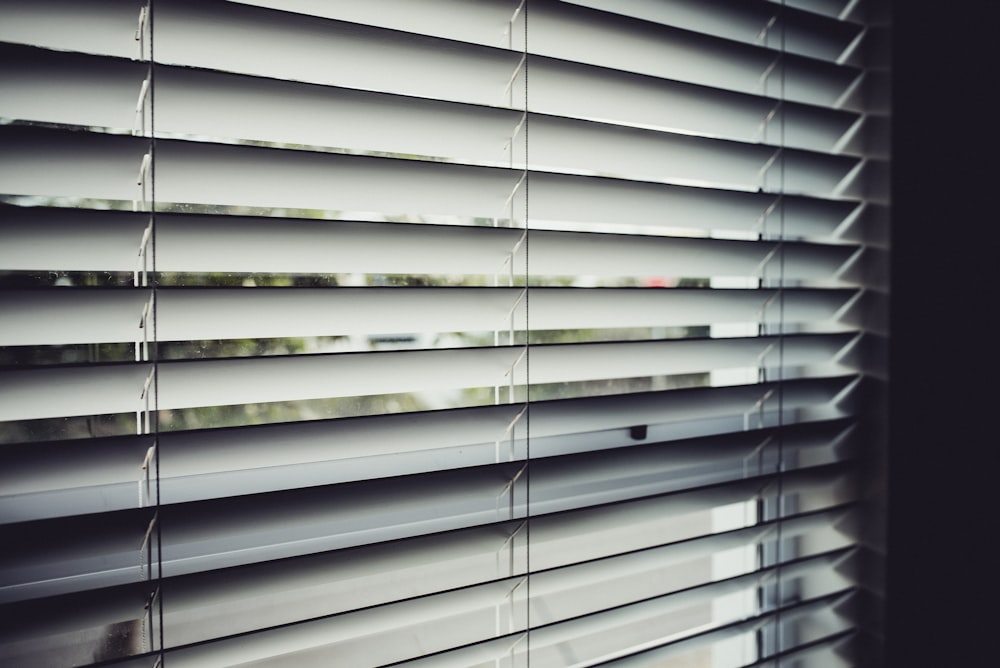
(436, 332)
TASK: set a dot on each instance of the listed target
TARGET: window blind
(438, 332)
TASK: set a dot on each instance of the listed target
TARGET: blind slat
(804, 33)
(102, 551)
(208, 314)
(197, 466)
(39, 239)
(98, 389)
(349, 120)
(756, 22)
(351, 635)
(252, 108)
(110, 26)
(78, 165)
(612, 633)
(204, 606)
(741, 637)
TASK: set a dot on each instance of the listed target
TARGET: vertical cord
(527, 356)
(781, 342)
(156, 303)
(766, 647)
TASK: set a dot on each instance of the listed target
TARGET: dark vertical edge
(942, 442)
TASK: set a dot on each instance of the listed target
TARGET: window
(439, 332)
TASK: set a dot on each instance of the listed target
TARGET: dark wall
(945, 334)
